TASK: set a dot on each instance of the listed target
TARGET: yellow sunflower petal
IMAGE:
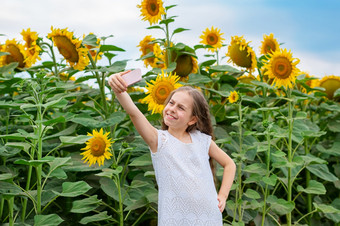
(32, 48)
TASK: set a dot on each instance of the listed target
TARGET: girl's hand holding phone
(120, 81)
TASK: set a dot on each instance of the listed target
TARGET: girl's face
(178, 112)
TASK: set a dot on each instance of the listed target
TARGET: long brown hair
(201, 111)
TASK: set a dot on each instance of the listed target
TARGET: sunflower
(16, 52)
(97, 148)
(70, 48)
(269, 44)
(212, 37)
(159, 90)
(185, 65)
(146, 47)
(282, 68)
(152, 10)
(32, 48)
(241, 54)
(331, 83)
(233, 97)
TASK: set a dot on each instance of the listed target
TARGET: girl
(180, 156)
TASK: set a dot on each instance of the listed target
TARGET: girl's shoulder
(200, 134)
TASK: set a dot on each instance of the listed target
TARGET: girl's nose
(172, 108)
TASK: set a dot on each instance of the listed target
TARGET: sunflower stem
(11, 212)
(309, 196)
(28, 182)
(2, 202)
(239, 195)
(53, 57)
(101, 83)
(39, 156)
(168, 44)
(217, 58)
(120, 203)
(290, 157)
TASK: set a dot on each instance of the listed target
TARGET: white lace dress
(187, 194)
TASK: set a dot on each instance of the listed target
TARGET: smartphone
(132, 77)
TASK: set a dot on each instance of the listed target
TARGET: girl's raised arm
(142, 125)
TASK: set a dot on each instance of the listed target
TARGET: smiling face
(177, 114)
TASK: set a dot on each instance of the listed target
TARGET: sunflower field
(71, 156)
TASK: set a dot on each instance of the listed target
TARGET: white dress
(186, 190)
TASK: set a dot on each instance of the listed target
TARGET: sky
(309, 28)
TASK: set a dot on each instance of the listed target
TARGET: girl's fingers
(117, 83)
(221, 205)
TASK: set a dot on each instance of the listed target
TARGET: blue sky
(309, 28)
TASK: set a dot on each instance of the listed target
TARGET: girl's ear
(192, 121)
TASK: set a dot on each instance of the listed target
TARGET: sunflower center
(331, 85)
(162, 91)
(66, 48)
(153, 8)
(240, 57)
(281, 68)
(270, 46)
(184, 65)
(212, 39)
(15, 56)
(98, 146)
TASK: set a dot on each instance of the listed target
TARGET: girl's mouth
(170, 116)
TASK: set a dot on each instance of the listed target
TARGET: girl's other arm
(142, 125)
(228, 173)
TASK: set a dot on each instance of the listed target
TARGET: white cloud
(317, 66)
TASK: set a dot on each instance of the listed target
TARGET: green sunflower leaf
(90, 39)
(85, 205)
(314, 187)
(73, 189)
(104, 48)
(169, 7)
(8, 68)
(155, 27)
(336, 93)
(47, 220)
(179, 30)
(252, 194)
(33, 163)
(94, 218)
(280, 206)
(80, 139)
(167, 21)
(326, 208)
(322, 171)
(144, 160)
